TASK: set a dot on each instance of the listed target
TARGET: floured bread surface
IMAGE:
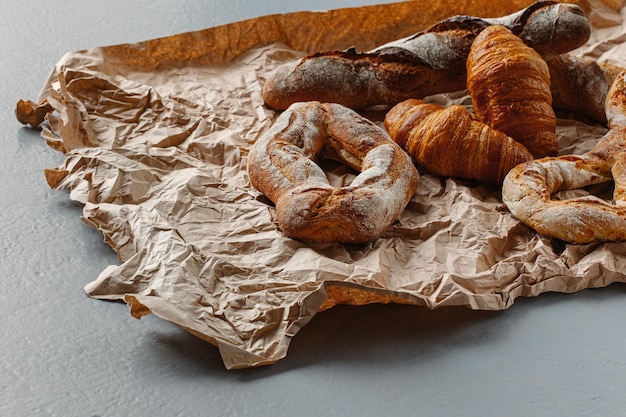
(281, 165)
(426, 63)
(528, 188)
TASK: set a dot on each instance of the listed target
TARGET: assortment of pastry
(516, 69)
(430, 62)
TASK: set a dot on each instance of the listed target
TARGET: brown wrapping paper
(156, 134)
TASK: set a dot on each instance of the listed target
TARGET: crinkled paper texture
(156, 136)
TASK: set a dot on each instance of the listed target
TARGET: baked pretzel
(281, 166)
(528, 187)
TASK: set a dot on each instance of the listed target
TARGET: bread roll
(281, 165)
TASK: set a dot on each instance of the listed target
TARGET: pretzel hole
(338, 173)
(603, 191)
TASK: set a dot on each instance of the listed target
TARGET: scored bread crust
(580, 85)
(427, 63)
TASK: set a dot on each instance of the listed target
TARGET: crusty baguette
(449, 141)
(580, 85)
(429, 62)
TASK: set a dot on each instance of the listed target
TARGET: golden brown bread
(509, 84)
(450, 142)
(429, 62)
(281, 166)
(528, 188)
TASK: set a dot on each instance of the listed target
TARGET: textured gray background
(64, 354)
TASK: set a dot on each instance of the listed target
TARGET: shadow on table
(385, 336)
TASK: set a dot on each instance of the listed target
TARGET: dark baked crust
(429, 62)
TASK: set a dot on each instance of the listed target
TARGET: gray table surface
(64, 354)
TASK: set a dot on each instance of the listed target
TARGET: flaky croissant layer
(450, 141)
(509, 84)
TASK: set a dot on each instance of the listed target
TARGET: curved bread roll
(281, 165)
(509, 84)
(528, 188)
(450, 142)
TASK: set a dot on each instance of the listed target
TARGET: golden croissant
(450, 141)
(509, 84)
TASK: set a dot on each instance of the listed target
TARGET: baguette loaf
(429, 62)
(580, 85)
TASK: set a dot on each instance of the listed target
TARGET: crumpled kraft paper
(156, 134)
